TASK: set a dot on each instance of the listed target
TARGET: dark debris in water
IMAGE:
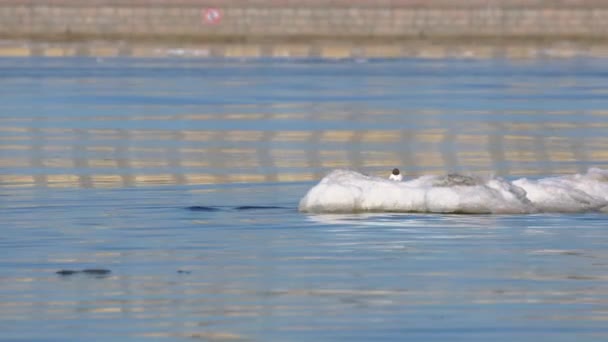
(66, 272)
(88, 271)
(184, 272)
(239, 208)
(257, 207)
(203, 208)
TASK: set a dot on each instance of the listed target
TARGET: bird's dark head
(395, 172)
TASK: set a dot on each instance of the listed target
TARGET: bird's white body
(397, 178)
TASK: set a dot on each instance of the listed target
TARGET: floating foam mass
(349, 191)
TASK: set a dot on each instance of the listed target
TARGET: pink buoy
(211, 16)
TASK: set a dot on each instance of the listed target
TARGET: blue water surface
(181, 178)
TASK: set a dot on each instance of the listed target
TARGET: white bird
(396, 175)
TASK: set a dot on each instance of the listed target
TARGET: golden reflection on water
(76, 157)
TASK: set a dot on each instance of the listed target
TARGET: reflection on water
(127, 122)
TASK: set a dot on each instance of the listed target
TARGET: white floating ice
(349, 191)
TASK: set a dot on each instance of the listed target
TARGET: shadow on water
(94, 272)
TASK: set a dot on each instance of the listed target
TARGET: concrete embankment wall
(268, 26)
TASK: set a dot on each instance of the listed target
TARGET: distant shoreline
(426, 49)
(405, 24)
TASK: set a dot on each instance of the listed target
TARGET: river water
(181, 178)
